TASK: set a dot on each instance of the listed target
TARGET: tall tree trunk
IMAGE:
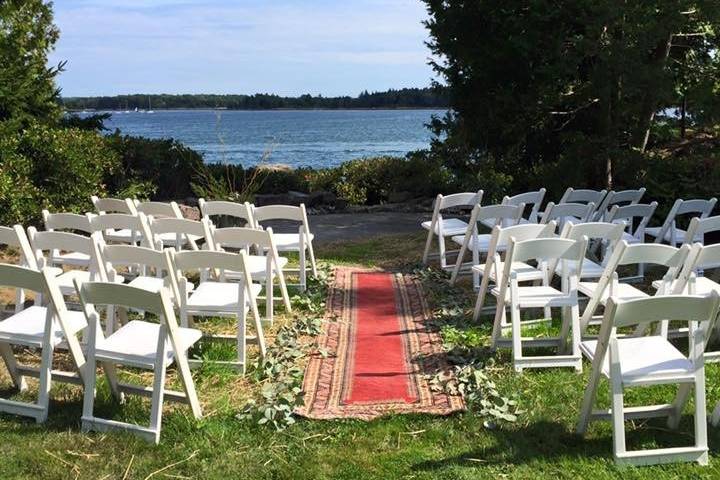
(683, 116)
(660, 57)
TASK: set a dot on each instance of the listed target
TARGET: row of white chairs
(147, 264)
(48, 325)
(181, 232)
(532, 267)
(577, 206)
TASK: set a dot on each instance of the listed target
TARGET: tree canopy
(400, 98)
(27, 85)
(567, 86)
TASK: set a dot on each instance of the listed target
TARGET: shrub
(165, 168)
(54, 168)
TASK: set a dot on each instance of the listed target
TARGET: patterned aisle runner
(380, 351)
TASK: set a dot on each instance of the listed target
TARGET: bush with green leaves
(54, 168)
(165, 166)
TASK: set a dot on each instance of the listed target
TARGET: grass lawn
(541, 444)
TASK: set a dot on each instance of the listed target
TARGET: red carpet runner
(380, 351)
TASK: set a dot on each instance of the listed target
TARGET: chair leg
(45, 382)
(588, 401)
(109, 320)
(311, 252)
(678, 404)
(443, 260)
(158, 394)
(283, 289)
(516, 336)
(428, 244)
(480, 302)
(269, 297)
(89, 394)
(303, 270)
(700, 414)
(618, 414)
(12, 365)
(497, 327)
(241, 337)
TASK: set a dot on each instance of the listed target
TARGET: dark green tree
(27, 85)
(559, 89)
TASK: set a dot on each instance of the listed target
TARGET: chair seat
(71, 258)
(490, 222)
(540, 296)
(703, 286)
(288, 241)
(136, 343)
(65, 280)
(679, 234)
(450, 226)
(257, 265)
(524, 271)
(623, 291)
(169, 239)
(28, 326)
(643, 357)
(154, 284)
(590, 269)
(479, 243)
(218, 296)
(124, 235)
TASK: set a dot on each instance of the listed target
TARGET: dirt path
(359, 226)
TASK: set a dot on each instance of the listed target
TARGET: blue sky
(288, 47)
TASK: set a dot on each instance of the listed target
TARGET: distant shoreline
(224, 109)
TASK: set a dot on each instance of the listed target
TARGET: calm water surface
(317, 138)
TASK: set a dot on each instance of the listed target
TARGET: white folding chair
(493, 267)
(532, 200)
(265, 265)
(607, 235)
(503, 215)
(67, 221)
(177, 233)
(219, 211)
(562, 213)
(137, 344)
(585, 196)
(43, 327)
(125, 206)
(123, 228)
(15, 237)
(72, 244)
(215, 296)
(447, 227)
(635, 218)
(620, 199)
(509, 293)
(699, 227)
(160, 210)
(300, 242)
(146, 269)
(650, 360)
(609, 284)
(669, 231)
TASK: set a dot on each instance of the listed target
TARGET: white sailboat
(150, 110)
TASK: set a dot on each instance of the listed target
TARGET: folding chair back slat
(572, 195)
(159, 209)
(103, 293)
(113, 205)
(561, 212)
(66, 221)
(223, 208)
(529, 199)
(699, 227)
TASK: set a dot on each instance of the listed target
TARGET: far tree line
(400, 98)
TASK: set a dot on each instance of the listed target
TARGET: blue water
(317, 138)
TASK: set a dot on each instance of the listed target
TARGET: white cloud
(288, 46)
